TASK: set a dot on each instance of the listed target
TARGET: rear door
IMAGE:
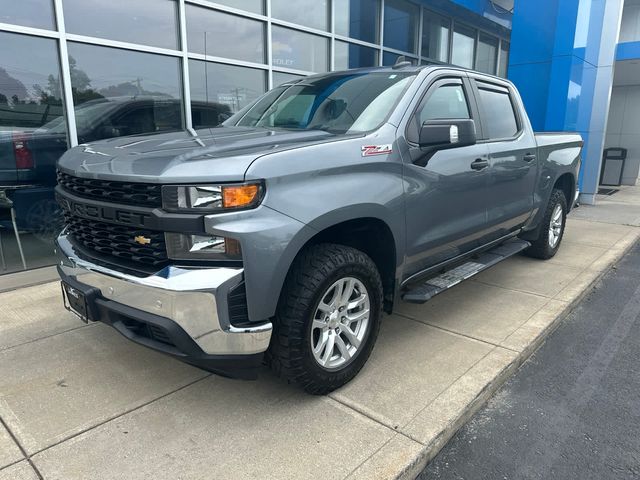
(445, 198)
(512, 156)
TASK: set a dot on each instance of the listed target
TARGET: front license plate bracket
(76, 301)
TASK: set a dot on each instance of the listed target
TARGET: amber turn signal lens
(239, 196)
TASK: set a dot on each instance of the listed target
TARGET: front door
(446, 197)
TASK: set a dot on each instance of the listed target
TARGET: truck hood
(217, 154)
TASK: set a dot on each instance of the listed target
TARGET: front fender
(270, 241)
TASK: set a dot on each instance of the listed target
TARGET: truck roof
(405, 67)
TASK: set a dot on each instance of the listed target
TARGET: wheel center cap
(333, 319)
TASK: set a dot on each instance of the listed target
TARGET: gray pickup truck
(283, 234)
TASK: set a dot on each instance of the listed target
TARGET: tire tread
(313, 268)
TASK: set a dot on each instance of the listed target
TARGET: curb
(426, 454)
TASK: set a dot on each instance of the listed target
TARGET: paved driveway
(571, 411)
(79, 402)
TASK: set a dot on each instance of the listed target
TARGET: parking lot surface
(80, 401)
(571, 411)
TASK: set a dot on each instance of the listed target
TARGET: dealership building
(174, 64)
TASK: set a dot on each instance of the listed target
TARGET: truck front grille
(140, 194)
(119, 242)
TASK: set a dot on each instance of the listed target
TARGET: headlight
(201, 247)
(212, 198)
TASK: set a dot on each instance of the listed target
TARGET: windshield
(87, 116)
(348, 102)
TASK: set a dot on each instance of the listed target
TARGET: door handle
(479, 164)
(529, 157)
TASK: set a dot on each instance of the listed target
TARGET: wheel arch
(566, 182)
(369, 234)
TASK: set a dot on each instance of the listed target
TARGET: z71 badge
(368, 150)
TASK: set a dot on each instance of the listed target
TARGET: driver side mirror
(444, 134)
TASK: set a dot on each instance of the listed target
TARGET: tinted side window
(447, 102)
(499, 119)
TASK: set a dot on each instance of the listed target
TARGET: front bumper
(187, 305)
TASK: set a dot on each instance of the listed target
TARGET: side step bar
(433, 286)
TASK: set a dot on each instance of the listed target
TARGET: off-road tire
(312, 273)
(540, 247)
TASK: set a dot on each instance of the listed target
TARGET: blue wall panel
(533, 81)
(561, 58)
(628, 51)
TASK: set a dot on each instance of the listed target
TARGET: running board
(435, 285)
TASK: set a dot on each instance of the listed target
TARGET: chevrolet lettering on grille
(101, 212)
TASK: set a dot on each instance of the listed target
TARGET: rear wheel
(328, 318)
(552, 229)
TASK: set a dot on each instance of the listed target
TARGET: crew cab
(282, 235)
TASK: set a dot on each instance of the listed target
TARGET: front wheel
(552, 228)
(328, 318)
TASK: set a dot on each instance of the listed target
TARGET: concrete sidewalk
(82, 402)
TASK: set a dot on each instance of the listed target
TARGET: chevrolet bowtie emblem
(142, 240)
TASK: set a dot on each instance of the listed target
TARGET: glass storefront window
(358, 19)
(124, 91)
(400, 25)
(310, 13)
(33, 135)
(487, 53)
(223, 35)
(504, 59)
(279, 78)
(218, 90)
(148, 22)
(389, 58)
(255, 6)
(435, 36)
(464, 39)
(29, 13)
(350, 55)
(299, 50)
(119, 92)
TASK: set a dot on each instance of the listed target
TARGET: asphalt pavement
(572, 411)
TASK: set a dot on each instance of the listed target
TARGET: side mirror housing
(444, 134)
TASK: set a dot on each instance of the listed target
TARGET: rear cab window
(499, 119)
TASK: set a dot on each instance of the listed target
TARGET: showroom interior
(77, 71)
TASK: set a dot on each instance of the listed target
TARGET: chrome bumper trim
(189, 297)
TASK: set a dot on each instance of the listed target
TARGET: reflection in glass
(504, 59)
(255, 6)
(219, 34)
(119, 92)
(30, 101)
(279, 78)
(149, 22)
(462, 48)
(487, 53)
(299, 50)
(350, 55)
(499, 114)
(389, 58)
(435, 36)
(358, 19)
(217, 90)
(29, 13)
(400, 20)
(310, 13)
